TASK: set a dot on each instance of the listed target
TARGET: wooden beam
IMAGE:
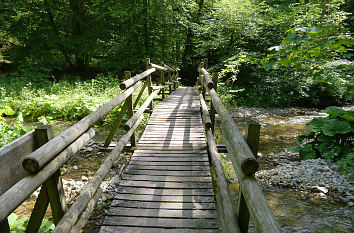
(127, 83)
(13, 197)
(36, 160)
(70, 218)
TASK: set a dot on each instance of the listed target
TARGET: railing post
(253, 130)
(130, 109)
(212, 108)
(252, 139)
(162, 82)
(169, 82)
(52, 190)
(149, 82)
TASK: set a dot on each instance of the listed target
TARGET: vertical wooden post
(149, 82)
(212, 108)
(130, 109)
(52, 190)
(201, 79)
(169, 83)
(174, 78)
(116, 125)
(163, 83)
(253, 130)
(252, 138)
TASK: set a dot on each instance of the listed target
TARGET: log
(158, 67)
(261, 214)
(76, 228)
(206, 118)
(207, 79)
(243, 153)
(136, 116)
(36, 160)
(18, 193)
(225, 208)
(82, 200)
(127, 83)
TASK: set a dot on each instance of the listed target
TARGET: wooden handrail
(226, 213)
(251, 200)
(70, 218)
(18, 193)
(36, 160)
(127, 83)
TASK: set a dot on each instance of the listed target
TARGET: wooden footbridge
(174, 182)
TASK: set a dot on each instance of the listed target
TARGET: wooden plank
(167, 172)
(165, 184)
(11, 156)
(167, 178)
(164, 205)
(124, 229)
(166, 191)
(161, 163)
(162, 222)
(169, 159)
(170, 168)
(196, 152)
(157, 213)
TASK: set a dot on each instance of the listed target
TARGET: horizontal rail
(227, 215)
(70, 218)
(261, 214)
(205, 113)
(137, 114)
(161, 68)
(18, 193)
(36, 160)
(243, 155)
(127, 83)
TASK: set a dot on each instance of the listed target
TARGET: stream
(295, 210)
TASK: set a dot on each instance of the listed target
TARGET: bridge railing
(42, 155)
(251, 201)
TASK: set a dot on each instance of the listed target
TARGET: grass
(68, 99)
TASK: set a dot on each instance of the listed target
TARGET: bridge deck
(167, 185)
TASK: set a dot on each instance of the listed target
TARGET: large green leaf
(335, 126)
(333, 111)
(307, 152)
(317, 123)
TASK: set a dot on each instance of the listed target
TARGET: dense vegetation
(59, 56)
(306, 43)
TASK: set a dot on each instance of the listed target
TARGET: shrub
(330, 138)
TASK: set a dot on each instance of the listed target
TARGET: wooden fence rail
(42, 156)
(251, 201)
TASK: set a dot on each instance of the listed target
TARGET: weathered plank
(165, 184)
(167, 172)
(114, 229)
(164, 205)
(157, 213)
(166, 191)
(162, 222)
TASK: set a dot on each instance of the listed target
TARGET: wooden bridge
(174, 182)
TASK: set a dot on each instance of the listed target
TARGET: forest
(62, 60)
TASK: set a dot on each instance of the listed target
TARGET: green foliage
(66, 99)
(20, 225)
(330, 138)
(9, 132)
